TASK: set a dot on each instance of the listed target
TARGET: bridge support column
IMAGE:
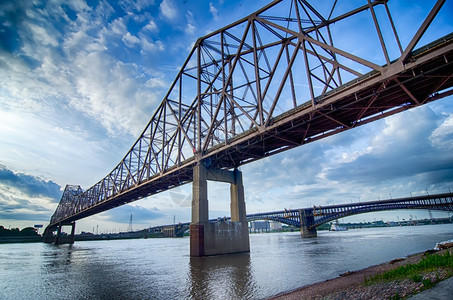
(48, 235)
(72, 237)
(59, 239)
(200, 212)
(306, 219)
(219, 237)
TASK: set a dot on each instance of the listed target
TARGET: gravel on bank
(352, 284)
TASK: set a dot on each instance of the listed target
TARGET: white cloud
(148, 46)
(117, 27)
(41, 35)
(151, 26)
(136, 5)
(443, 135)
(23, 196)
(82, 72)
(111, 92)
(168, 9)
(190, 29)
(36, 144)
(213, 11)
(52, 111)
(130, 40)
(157, 83)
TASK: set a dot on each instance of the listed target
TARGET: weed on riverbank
(416, 277)
(430, 263)
(398, 279)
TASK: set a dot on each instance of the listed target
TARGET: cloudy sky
(80, 79)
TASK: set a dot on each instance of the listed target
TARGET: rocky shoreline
(351, 285)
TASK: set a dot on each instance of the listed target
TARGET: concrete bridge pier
(221, 237)
(59, 239)
(306, 219)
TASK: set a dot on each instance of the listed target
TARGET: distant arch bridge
(308, 219)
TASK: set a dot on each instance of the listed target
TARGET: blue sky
(79, 80)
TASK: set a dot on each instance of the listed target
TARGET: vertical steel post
(198, 122)
(257, 75)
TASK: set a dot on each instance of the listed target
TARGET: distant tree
(14, 232)
(28, 231)
(9, 232)
(3, 231)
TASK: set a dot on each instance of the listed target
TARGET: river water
(162, 268)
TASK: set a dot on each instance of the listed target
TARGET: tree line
(27, 231)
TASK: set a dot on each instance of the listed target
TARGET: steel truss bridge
(277, 79)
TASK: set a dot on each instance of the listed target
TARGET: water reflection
(83, 275)
(225, 276)
(57, 255)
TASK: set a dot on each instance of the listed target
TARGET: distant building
(259, 226)
(276, 225)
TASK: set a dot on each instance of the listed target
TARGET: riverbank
(21, 239)
(357, 284)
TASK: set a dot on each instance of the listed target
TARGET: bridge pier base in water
(221, 237)
(59, 238)
(306, 219)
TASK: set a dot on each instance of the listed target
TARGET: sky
(80, 79)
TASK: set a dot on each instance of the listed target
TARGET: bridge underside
(374, 98)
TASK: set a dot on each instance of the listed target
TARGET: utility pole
(129, 229)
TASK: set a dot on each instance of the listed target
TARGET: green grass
(417, 277)
(395, 297)
(414, 271)
(427, 283)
